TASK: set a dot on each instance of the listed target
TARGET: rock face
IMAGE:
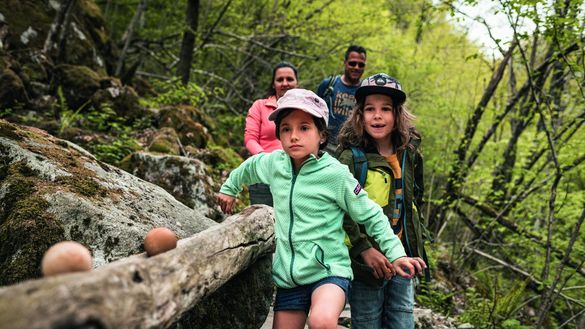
(52, 190)
(187, 179)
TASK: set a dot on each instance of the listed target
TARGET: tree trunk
(186, 54)
(57, 33)
(129, 34)
(141, 292)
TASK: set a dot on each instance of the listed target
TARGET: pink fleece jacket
(260, 133)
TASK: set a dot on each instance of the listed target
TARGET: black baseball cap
(381, 83)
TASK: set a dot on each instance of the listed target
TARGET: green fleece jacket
(309, 208)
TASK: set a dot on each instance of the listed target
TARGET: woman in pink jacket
(260, 135)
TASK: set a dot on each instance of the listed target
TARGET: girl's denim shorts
(299, 298)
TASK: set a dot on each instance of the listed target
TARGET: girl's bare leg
(327, 303)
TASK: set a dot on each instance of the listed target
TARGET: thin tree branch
(209, 32)
(550, 296)
(522, 272)
(261, 45)
(129, 34)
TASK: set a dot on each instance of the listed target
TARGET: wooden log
(141, 292)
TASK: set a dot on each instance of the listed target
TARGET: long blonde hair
(352, 132)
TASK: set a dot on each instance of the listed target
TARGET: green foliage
(110, 148)
(115, 151)
(5, 112)
(494, 303)
(121, 142)
(514, 324)
(445, 77)
(67, 116)
(436, 300)
(230, 131)
(230, 158)
(173, 92)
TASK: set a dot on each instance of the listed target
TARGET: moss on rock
(79, 83)
(83, 185)
(26, 228)
(26, 234)
(11, 88)
(165, 142)
(9, 131)
(191, 125)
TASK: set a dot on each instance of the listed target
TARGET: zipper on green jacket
(290, 227)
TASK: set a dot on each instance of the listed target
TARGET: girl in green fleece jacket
(311, 192)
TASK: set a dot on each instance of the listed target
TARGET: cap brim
(274, 114)
(398, 96)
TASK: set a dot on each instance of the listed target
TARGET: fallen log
(141, 292)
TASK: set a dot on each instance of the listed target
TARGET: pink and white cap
(301, 99)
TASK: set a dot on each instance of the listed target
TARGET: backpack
(360, 165)
(328, 94)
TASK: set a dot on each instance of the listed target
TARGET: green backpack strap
(400, 203)
(425, 232)
(360, 165)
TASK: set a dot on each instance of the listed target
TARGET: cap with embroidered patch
(304, 100)
(381, 83)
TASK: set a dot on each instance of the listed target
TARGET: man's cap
(381, 83)
(304, 100)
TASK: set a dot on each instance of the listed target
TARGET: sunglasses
(354, 64)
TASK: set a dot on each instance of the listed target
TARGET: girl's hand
(226, 202)
(383, 269)
(408, 267)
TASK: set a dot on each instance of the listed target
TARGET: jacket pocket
(309, 259)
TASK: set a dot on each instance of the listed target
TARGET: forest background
(502, 137)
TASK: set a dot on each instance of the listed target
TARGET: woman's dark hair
(271, 90)
(319, 123)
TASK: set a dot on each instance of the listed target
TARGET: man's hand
(383, 269)
(408, 267)
(226, 202)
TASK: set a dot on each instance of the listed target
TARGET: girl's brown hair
(352, 132)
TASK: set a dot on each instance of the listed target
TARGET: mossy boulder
(122, 99)
(53, 190)
(191, 124)
(165, 141)
(11, 88)
(217, 157)
(78, 84)
(86, 41)
(188, 180)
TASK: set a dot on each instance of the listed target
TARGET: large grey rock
(64, 191)
(52, 190)
(188, 180)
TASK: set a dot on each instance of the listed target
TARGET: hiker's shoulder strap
(330, 85)
(360, 165)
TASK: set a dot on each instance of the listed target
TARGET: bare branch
(515, 269)
(261, 45)
(209, 32)
(549, 296)
(129, 34)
